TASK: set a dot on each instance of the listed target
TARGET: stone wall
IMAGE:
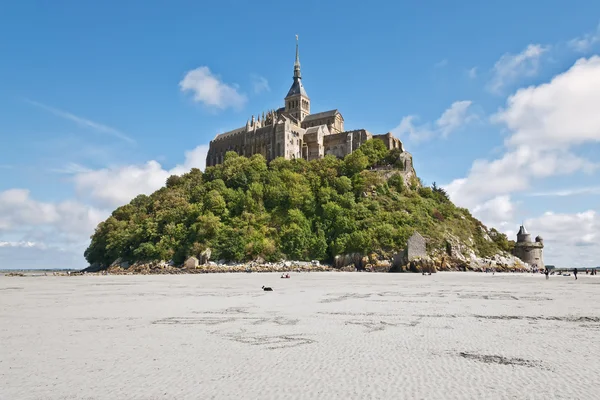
(286, 139)
(390, 141)
(530, 253)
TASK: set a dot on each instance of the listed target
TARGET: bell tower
(297, 102)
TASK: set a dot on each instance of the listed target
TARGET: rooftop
(323, 114)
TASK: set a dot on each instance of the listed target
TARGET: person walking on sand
(575, 273)
(546, 272)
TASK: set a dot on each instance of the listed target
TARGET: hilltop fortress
(293, 132)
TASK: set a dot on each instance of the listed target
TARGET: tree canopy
(245, 208)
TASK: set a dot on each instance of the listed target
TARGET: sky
(499, 103)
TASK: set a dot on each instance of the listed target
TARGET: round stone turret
(529, 251)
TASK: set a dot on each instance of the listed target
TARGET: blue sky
(489, 98)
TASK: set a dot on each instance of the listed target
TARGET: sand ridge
(317, 335)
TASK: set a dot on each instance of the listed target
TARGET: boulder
(191, 263)
(205, 256)
(399, 259)
(116, 263)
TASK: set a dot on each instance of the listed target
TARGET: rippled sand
(316, 336)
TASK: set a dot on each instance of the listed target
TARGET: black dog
(267, 289)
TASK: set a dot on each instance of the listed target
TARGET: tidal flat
(329, 335)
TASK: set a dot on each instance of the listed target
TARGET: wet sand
(316, 336)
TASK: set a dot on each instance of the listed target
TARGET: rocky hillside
(368, 204)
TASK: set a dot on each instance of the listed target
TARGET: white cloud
(208, 88)
(472, 73)
(55, 222)
(70, 168)
(83, 121)
(442, 63)
(57, 233)
(115, 186)
(593, 190)
(496, 211)
(545, 122)
(260, 84)
(453, 118)
(586, 42)
(510, 67)
(571, 240)
(23, 244)
(408, 129)
(560, 113)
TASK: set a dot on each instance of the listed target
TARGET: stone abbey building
(293, 132)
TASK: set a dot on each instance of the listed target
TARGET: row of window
(294, 104)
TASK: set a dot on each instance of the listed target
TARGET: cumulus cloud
(58, 232)
(83, 121)
(51, 223)
(260, 84)
(208, 88)
(115, 186)
(441, 63)
(510, 67)
(563, 112)
(456, 116)
(570, 239)
(496, 212)
(586, 42)
(545, 122)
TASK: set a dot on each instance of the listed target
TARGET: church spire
(297, 63)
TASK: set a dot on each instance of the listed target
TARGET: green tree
(375, 151)
(355, 162)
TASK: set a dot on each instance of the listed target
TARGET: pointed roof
(522, 231)
(297, 87)
(297, 73)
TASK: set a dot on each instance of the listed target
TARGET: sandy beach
(316, 336)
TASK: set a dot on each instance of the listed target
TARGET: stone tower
(529, 251)
(297, 102)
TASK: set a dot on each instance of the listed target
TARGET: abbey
(293, 132)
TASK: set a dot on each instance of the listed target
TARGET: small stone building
(530, 252)
(416, 247)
